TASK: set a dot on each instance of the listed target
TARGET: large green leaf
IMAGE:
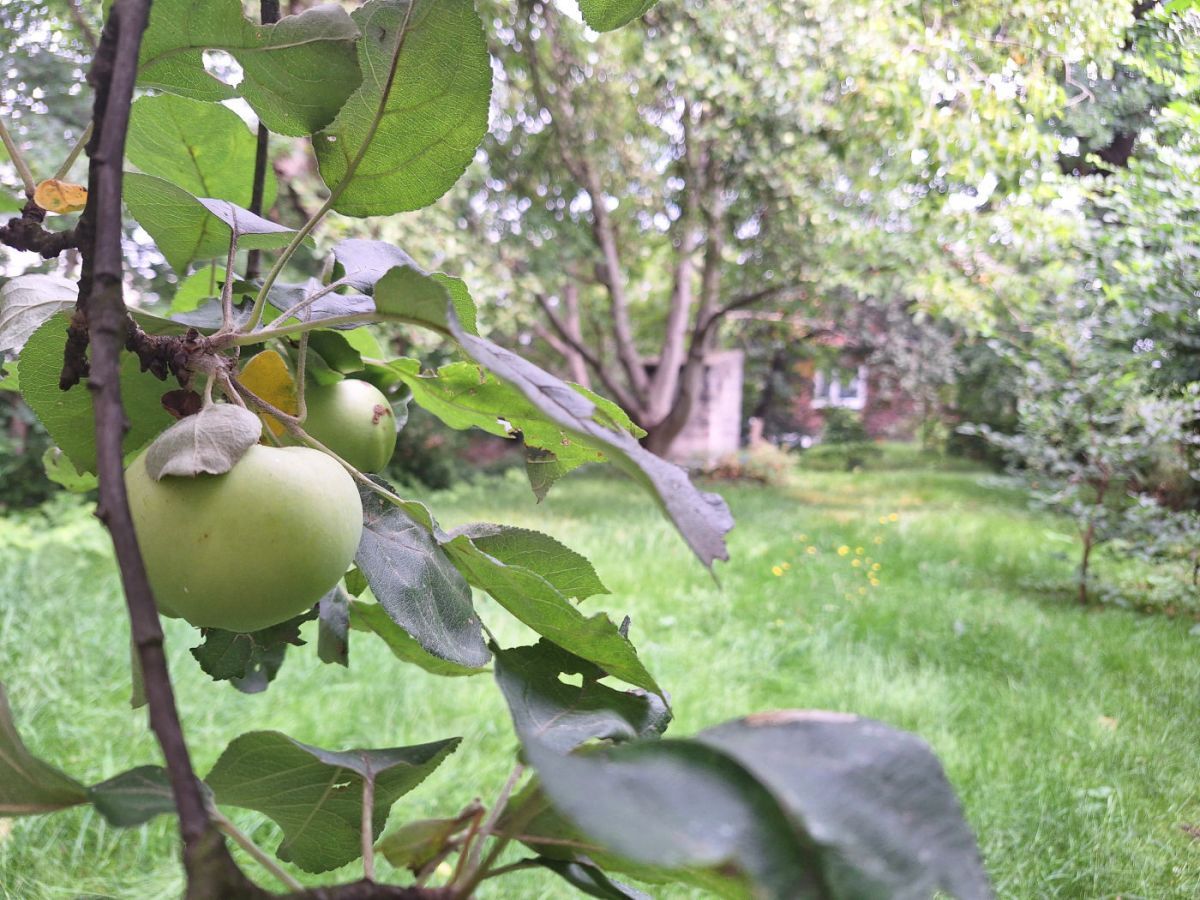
(874, 799)
(315, 795)
(203, 148)
(249, 660)
(568, 572)
(420, 113)
(374, 618)
(186, 227)
(67, 415)
(417, 585)
(28, 785)
(533, 600)
(297, 73)
(608, 15)
(562, 716)
(867, 807)
(696, 810)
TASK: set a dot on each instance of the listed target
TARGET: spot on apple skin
(378, 413)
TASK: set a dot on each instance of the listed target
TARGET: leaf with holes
(297, 73)
(315, 795)
(562, 716)
(421, 111)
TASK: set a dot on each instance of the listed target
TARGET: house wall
(714, 429)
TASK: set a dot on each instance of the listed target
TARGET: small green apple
(250, 548)
(354, 420)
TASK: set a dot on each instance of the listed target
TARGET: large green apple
(354, 420)
(250, 548)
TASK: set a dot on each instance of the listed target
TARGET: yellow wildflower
(843, 550)
(874, 581)
(785, 566)
(776, 571)
(883, 520)
(878, 539)
(802, 538)
(876, 567)
(858, 551)
(811, 551)
(856, 563)
(862, 592)
(894, 517)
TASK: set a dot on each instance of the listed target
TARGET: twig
(496, 811)
(89, 36)
(268, 13)
(18, 160)
(74, 154)
(301, 364)
(227, 287)
(511, 867)
(368, 825)
(301, 306)
(102, 310)
(259, 855)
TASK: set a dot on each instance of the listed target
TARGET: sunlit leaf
(57, 196)
(268, 376)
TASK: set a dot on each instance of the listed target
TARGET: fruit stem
(74, 154)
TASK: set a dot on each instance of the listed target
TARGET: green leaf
(562, 716)
(203, 148)
(420, 113)
(211, 442)
(417, 585)
(702, 519)
(67, 415)
(297, 73)
(569, 572)
(185, 227)
(875, 800)
(27, 785)
(249, 660)
(333, 622)
(696, 810)
(337, 352)
(416, 844)
(608, 15)
(135, 797)
(26, 302)
(286, 296)
(374, 618)
(534, 601)
(62, 471)
(315, 795)
(203, 284)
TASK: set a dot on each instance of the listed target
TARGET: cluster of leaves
(395, 97)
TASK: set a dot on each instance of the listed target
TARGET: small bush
(843, 426)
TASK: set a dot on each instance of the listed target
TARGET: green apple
(354, 420)
(250, 548)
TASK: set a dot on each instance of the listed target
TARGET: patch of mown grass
(1070, 734)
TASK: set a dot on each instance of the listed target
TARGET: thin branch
(18, 160)
(84, 26)
(497, 810)
(268, 13)
(227, 287)
(368, 826)
(256, 852)
(625, 399)
(74, 153)
(101, 312)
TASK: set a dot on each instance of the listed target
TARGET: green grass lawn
(1071, 735)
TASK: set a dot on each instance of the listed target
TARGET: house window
(840, 389)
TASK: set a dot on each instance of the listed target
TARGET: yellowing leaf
(267, 375)
(57, 196)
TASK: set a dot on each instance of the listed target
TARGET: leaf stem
(336, 191)
(74, 154)
(479, 869)
(301, 364)
(242, 339)
(368, 827)
(239, 837)
(18, 160)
